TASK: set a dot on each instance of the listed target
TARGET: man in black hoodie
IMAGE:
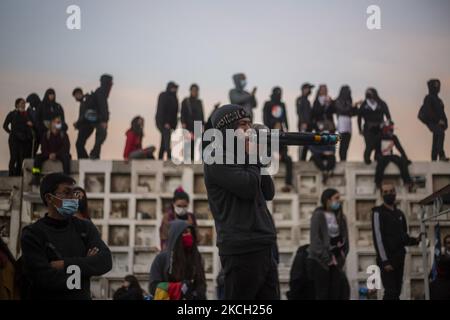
(58, 241)
(275, 117)
(241, 97)
(390, 236)
(33, 112)
(304, 112)
(101, 106)
(166, 117)
(246, 235)
(191, 111)
(433, 115)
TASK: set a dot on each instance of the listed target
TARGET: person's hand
(388, 268)
(104, 125)
(29, 123)
(57, 264)
(92, 252)
(167, 126)
(254, 91)
(52, 156)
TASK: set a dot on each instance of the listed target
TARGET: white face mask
(322, 99)
(58, 126)
(181, 211)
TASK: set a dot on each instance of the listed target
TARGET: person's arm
(242, 181)
(399, 147)
(7, 123)
(95, 265)
(37, 264)
(285, 119)
(409, 241)
(317, 244)
(378, 234)
(360, 119)
(267, 187)
(266, 115)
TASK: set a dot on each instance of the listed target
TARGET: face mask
(335, 206)
(389, 199)
(187, 240)
(243, 83)
(68, 207)
(181, 211)
(58, 126)
(322, 99)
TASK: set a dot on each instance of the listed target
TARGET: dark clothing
(251, 276)
(20, 140)
(323, 157)
(34, 113)
(301, 285)
(322, 116)
(165, 144)
(167, 110)
(237, 196)
(85, 130)
(437, 148)
(101, 106)
(128, 294)
(48, 110)
(69, 240)
(372, 123)
(386, 155)
(54, 143)
(390, 233)
(344, 108)
(100, 137)
(392, 280)
(331, 284)
(304, 112)
(101, 102)
(191, 110)
(343, 145)
(241, 97)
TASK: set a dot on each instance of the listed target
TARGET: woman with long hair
(130, 290)
(133, 146)
(177, 273)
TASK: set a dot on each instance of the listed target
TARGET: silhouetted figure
(323, 111)
(374, 112)
(34, 113)
(130, 290)
(48, 110)
(55, 145)
(192, 110)
(275, 117)
(432, 113)
(304, 112)
(85, 124)
(345, 110)
(166, 117)
(389, 141)
(19, 127)
(240, 97)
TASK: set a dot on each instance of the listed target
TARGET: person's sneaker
(35, 180)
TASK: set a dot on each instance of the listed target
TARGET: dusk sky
(145, 44)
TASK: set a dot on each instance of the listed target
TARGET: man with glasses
(58, 241)
(390, 237)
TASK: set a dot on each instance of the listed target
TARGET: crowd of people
(237, 196)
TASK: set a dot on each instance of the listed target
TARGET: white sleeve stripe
(376, 225)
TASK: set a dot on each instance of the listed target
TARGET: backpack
(22, 278)
(423, 115)
(90, 106)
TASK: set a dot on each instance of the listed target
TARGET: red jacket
(133, 143)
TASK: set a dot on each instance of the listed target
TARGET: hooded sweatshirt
(162, 266)
(434, 107)
(192, 110)
(33, 110)
(241, 97)
(50, 109)
(167, 109)
(274, 111)
(101, 98)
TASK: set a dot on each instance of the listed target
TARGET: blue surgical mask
(68, 207)
(335, 206)
(243, 83)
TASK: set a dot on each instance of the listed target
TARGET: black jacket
(237, 196)
(372, 118)
(191, 110)
(101, 103)
(69, 240)
(49, 109)
(16, 126)
(321, 113)
(434, 110)
(275, 112)
(167, 110)
(390, 234)
(301, 285)
(304, 111)
(33, 110)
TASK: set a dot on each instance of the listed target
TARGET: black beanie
(226, 116)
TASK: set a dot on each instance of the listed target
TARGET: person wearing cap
(241, 97)
(54, 244)
(166, 117)
(388, 141)
(304, 115)
(177, 210)
(246, 235)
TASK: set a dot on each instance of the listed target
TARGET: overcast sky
(145, 44)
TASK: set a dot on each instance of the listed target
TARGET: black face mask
(389, 199)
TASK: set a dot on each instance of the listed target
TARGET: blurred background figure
(130, 290)
(241, 97)
(167, 118)
(304, 112)
(323, 110)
